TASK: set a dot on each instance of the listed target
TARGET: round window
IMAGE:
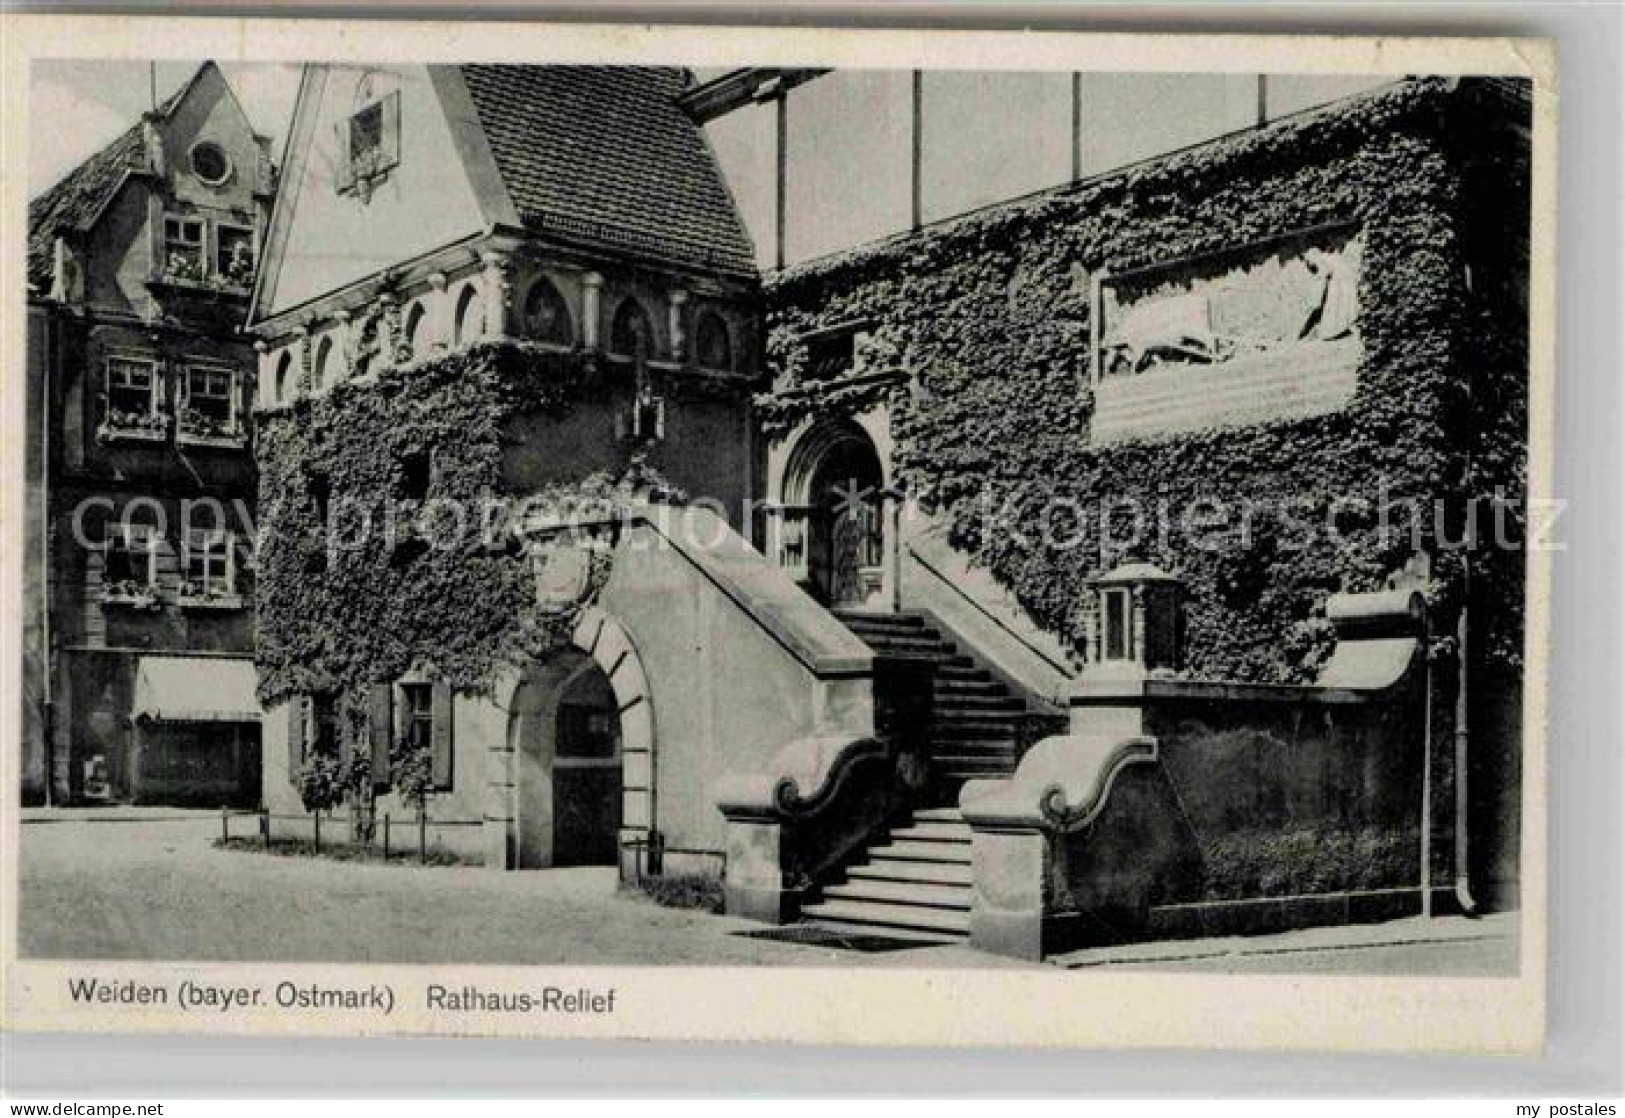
(210, 164)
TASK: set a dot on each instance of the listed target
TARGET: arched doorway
(567, 743)
(833, 487)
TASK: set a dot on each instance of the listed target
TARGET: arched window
(713, 348)
(323, 367)
(465, 326)
(412, 331)
(281, 383)
(630, 333)
(547, 318)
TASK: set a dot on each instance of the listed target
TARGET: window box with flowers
(209, 413)
(132, 401)
(210, 581)
(194, 260)
(129, 568)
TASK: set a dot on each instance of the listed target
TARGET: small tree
(411, 769)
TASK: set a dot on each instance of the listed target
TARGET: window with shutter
(441, 737)
(298, 709)
(380, 730)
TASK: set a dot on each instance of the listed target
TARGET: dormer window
(234, 254)
(183, 248)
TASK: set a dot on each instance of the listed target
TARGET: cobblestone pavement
(105, 887)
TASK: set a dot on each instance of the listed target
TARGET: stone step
(972, 768)
(971, 745)
(988, 760)
(954, 898)
(957, 675)
(878, 619)
(993, 700)
(889, 915)
(854, 929)
(888, 626)
(937, 873)
(933, 831)
(946, 853)
(981, 727)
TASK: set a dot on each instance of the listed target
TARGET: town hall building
(590, 539)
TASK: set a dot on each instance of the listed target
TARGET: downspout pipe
(1464, 896)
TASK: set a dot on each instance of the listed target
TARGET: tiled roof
(605, 154)
(77, 198)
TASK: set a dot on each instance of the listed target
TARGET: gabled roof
(74, 201)
(82, 194)
(606, 154)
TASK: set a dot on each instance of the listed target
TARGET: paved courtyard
(151, 886)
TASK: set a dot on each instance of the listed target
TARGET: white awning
(195, 689)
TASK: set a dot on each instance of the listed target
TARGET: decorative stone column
(676, 301)
(386, 331)
(592, 289)
(344, 342)
(263, 373)
(301, 384)
(438, 320)
(496, 290)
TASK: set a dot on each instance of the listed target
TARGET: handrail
(1065, 669)
(833, 652)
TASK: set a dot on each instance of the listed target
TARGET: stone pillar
(496, 284)
(264, 374)
(755, 882)
(301, 380)
(343, 345)
(1008, 869)
(437, 321)
(592, 288)
(674, 323)
(387, 331)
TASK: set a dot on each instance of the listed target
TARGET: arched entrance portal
(832, 508)
(568, 748)
(579, 783)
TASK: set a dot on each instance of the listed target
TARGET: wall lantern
(1135, 629)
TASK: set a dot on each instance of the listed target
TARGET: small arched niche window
(465, 325)
(631, 334)
(412, 332)
(323, 369)
(280, 384)
(713, 348)
(547, 318)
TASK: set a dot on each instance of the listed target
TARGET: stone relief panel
(1265, 332)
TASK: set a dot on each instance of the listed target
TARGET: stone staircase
(976, 721)
(913, 882)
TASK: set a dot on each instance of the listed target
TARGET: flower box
(202, 601)
(130, 595)
(199, 429)
(135, 426)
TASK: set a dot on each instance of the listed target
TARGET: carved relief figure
(1202, 313)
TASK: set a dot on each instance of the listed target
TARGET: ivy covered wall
(376, 500)
(990, 315)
